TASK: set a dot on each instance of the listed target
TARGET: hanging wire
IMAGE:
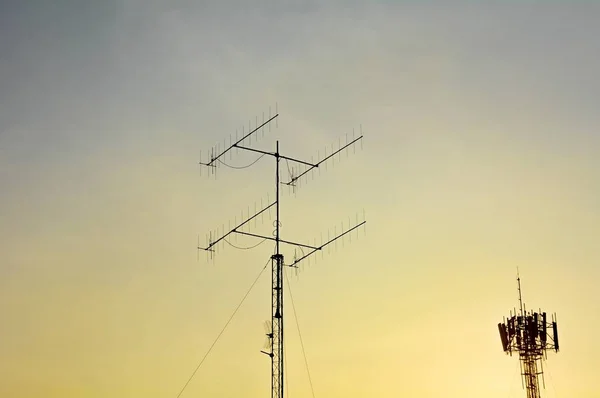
(289, 170)
(299, 334)
(244, 248)
(223, 330)
(241, 167)
(302, 250)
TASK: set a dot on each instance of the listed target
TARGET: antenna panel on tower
(544, 334)
(555, 332)
(527, 335)
(503, 336)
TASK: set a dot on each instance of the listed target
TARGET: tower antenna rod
(519, 287)
(277, 194)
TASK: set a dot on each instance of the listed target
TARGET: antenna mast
(527, 334)
(519, 287)
(275, 334)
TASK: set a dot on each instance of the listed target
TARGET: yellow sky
(480, 156)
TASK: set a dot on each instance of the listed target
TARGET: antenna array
(301, 169)
(531, 335)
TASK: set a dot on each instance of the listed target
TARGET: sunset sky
(481, 155)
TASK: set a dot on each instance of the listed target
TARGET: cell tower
(528, 334)
(275, 327)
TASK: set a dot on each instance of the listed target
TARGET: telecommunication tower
(275, 328)
(530, 335)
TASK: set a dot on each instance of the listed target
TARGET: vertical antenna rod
(277, 359)
(277, 193)
(519, 287)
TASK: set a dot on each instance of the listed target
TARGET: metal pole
(277, 299)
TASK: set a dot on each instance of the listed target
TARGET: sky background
(481, 155)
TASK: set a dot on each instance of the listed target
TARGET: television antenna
(528, 334)
(274, 328)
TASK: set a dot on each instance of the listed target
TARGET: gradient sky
(481, 155)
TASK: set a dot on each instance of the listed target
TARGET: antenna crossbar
(275, 240)
(276, 155)
(255, 150)
(298, 161)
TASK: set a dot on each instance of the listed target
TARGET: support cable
(551, 380)
(287, 385)
(223, 330)
(512, 381)
(300, 334)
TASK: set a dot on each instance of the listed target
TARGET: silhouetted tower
(529, 334)
(275, 328)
